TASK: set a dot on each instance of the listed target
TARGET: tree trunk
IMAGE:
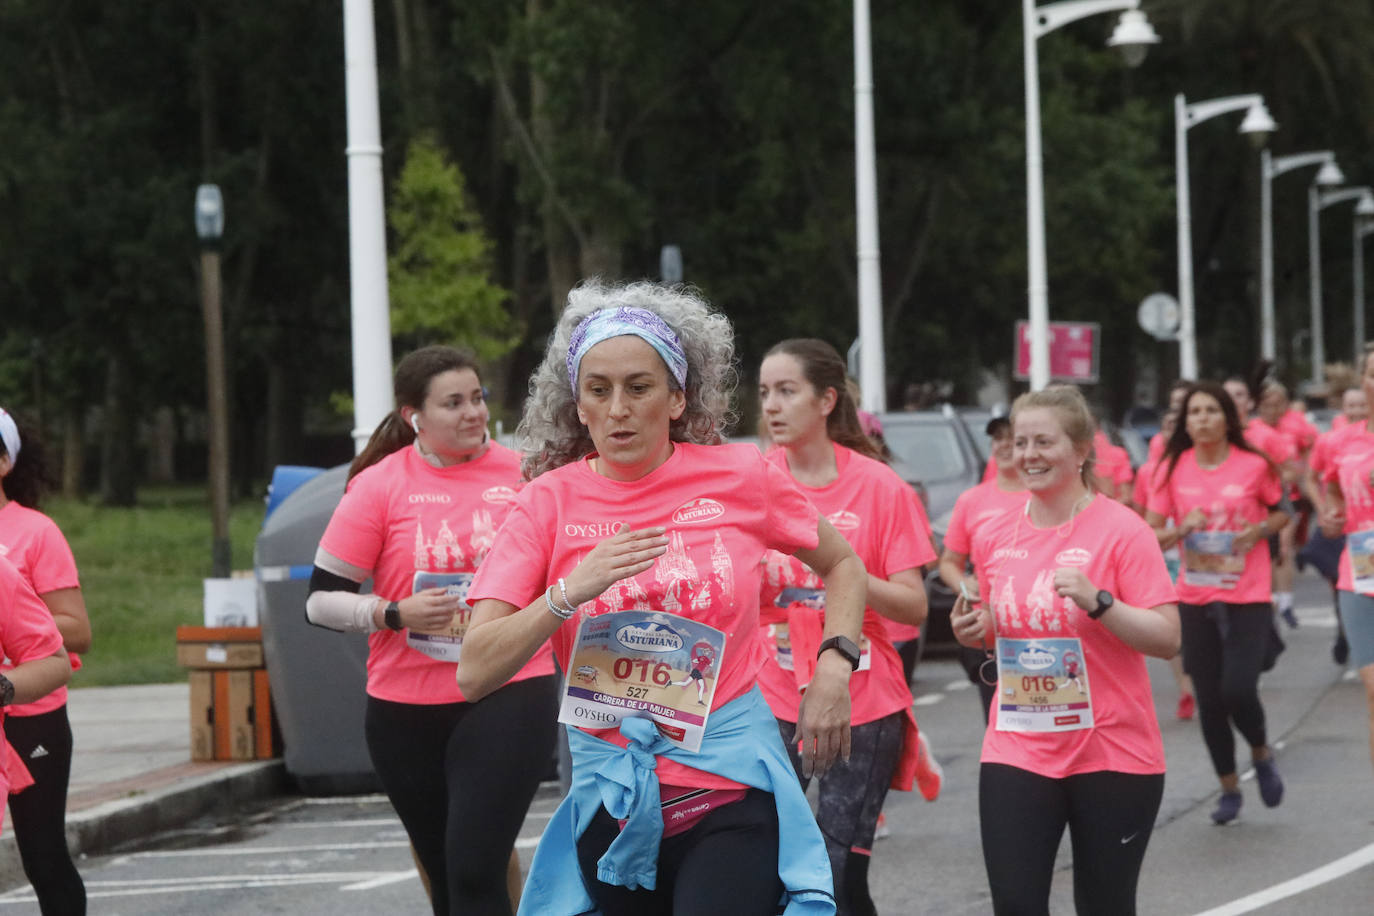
(285, 415)
(118, 435)
(73, 451)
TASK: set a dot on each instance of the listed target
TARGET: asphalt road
(1312, 855)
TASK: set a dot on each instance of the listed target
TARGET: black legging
(39, 812)
(461, 777)
(725, 863)
(851, 798)
(1109, 815)
(1223, 650)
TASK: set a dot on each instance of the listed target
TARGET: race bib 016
(1042, 685)
(636, 663)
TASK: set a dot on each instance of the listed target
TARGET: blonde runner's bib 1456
(654, 665)
(1042, 685)
(442, 643)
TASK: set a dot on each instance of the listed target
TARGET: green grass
(141, 572)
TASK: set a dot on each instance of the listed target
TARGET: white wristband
(555, 610)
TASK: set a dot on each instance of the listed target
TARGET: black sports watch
(6, 691)
(843, 645)
(392, 616)
(1104, 601)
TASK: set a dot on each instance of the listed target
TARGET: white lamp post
(1317, 201)
(1270, 168)
(1259, 125)
(371, 310)
(210, 229)
(1133, 35)
(872, 368)
(1364, 225)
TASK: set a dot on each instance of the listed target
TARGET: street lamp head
(1133, 35)
(1258, 125)
(1365, 208)
(1330, 175)
(209, 213)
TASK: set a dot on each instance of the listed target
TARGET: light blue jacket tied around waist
(741, 743)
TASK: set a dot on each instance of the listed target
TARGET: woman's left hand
(823, 720)
(1070, 582)
(1244, 542)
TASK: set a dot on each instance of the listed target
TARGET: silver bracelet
(554, 609)
(567, 605)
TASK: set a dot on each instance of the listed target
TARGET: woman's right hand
(1195, 520)
(1333, 521)
(429, 609)
(622, 555)
(971, 623)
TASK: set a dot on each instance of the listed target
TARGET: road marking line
(958, 685)
(382, 880)
(1318, 876)
(264, 850)
(930, 699)
(149, 886)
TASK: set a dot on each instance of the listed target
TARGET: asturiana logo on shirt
(498, 494)
(1074, 556)
(1232, 491)
(650, 638)
(701, 509)
(844, 520)
(429, 498)
(1009, 553)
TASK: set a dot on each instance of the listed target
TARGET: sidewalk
(132, 774)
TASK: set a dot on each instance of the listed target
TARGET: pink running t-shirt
(27, 632)
(1113, 464)
(975, 508)
(1298, 429)
(401, 516)
(1236, 494)
(1157, 443)
(1339, 421)
(34, 544)
(1349, 463)
(1273, 443)
(881, 518)
(1118, 552)
(990, 472)
(724, 506)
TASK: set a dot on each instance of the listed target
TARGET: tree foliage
(530, 143)
(439, 274)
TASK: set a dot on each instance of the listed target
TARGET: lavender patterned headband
(9, 434)
(618, 322)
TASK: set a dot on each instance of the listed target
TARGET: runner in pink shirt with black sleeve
(421, 510)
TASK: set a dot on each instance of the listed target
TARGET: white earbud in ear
(415, 423)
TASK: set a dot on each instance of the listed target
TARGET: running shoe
(929, 774)
(882, 830)
(1228, 807)
(1289, 618)
(1340, 650)
(1270, 782)
(1187, 705)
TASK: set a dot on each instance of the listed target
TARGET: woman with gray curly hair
(550, 430)
(636, 550)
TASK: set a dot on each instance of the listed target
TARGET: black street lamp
(210, 228)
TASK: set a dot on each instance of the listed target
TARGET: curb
(139, 815)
